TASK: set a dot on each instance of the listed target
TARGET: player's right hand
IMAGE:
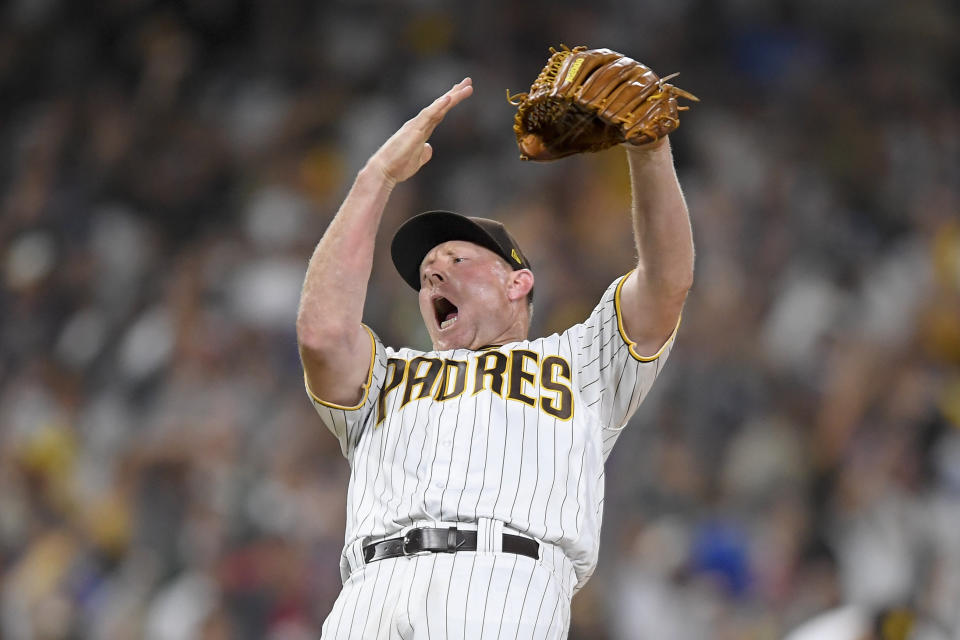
(407, 150)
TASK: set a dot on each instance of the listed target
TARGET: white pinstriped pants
(451, 596)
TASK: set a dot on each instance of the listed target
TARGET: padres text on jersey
(520, 375)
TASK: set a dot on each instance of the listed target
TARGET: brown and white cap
(421, 233)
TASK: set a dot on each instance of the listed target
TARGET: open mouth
(445, 311)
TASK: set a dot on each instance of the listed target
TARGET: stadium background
(167, 167)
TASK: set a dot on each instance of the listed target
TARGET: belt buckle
(405, 544)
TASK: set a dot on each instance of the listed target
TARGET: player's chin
(440, 341)
(446, 343)
(450, 338)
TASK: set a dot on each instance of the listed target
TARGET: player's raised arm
(592, 99)
(653, 295)
(334, 347)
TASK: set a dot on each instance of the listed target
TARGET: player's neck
(516, 332)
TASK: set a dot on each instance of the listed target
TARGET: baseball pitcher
(477, 468)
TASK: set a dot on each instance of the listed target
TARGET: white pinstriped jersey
(517, 433)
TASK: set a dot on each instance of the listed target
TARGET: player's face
(465, 297)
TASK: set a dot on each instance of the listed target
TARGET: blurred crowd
(166, 169)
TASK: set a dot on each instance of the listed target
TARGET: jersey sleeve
(349, 423)
(613, 378)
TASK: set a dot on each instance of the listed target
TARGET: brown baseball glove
(592, 99)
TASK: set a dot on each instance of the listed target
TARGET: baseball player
(477, 480)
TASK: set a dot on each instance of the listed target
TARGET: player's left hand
(407, 150)
(590, 100)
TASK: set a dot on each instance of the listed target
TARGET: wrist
(659, 143)
(375, 176)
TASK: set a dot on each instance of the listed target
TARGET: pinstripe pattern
(520, 436)
(462, 596)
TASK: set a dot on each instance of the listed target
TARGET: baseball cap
(421, 233)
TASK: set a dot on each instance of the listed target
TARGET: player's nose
(430, 274)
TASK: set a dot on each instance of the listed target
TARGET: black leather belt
(447, 540)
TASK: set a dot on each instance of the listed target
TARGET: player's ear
(521, 282)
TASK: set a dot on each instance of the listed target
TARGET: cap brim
(421, 233)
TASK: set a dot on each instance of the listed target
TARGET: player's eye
(457, 260)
